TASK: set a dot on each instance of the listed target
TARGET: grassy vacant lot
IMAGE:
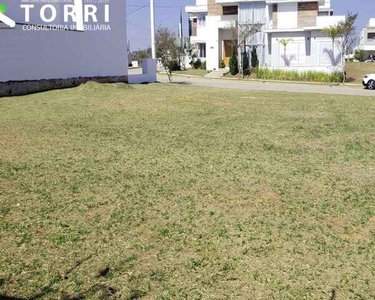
(176, 192)
(356, 71)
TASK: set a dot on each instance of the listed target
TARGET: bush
(360, 55)
(174, 66)
(204, 65)
(254, 58)
(197, 64)
(233, 64)
(222, 64)
(245, 64)
(312, 76)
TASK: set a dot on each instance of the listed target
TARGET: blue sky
(168, 14)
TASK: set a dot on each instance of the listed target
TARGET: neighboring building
(367, 42)
(212, 23)
(62, 50)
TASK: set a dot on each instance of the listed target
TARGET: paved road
(268, 86)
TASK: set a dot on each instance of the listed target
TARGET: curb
(268, 80)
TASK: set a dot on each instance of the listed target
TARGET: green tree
(245, 64)
(360, 55)
(333, 32)
(233, 63)
(167, 51)
(344, 35)
(254, 58)
(141, 54)
(240, 35)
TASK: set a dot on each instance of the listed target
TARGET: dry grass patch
(178, 192)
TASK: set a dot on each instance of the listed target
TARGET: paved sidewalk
(270, 86)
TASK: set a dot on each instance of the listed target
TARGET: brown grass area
(177, 192)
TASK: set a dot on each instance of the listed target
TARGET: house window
(323, 13)
(230, 10)
(371, 36)
(202, 50)
(202, 20)
(193, 27)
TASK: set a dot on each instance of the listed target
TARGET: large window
(371, 36)
(193, 27)
(202, 20)
(202, 50)
(230, 10)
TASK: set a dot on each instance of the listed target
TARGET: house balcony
(195, 9)
(228, 22)
(327, 21)
(321, 22)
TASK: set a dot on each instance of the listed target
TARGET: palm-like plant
(333, 32)
(285, 43)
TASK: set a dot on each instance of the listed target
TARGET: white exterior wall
(35, 55)
(307, 45)
(202, 34)
(368, 45)
(212, 45)
(305, 51)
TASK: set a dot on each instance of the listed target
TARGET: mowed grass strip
(178, 192)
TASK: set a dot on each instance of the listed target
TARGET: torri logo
(3, 18)
(61, 16)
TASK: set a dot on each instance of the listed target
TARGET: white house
(211, 24)
(367, 42)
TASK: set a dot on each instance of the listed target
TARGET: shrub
(245, 64)
(204, 65)
(174, 65)
(254, 58)
(312, 76)
(360, 55)
(197, 64)
(222, 64)
(233, 64)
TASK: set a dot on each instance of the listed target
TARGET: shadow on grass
(181, 82)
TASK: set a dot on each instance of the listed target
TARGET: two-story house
(298, 22)
(367, 42)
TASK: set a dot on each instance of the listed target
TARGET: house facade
(213, 25)
(367, 41)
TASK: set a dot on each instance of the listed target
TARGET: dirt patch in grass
(173, 192)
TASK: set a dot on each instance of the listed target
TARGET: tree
(285, 43)
(360, 55)
(287, 59)
(167, 51)
(141, 54)
(240, 36)
(254, 58)
(233, 63)
(344, 35)
(333, 32)
(245, 64)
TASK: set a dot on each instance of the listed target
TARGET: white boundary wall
(36, 55)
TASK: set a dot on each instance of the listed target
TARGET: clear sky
(168, 14)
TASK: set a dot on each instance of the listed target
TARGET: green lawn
(176, 192)
(356, 71)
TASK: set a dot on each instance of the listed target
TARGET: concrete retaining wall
(18, 88)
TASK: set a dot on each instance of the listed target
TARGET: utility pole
(152, 14)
